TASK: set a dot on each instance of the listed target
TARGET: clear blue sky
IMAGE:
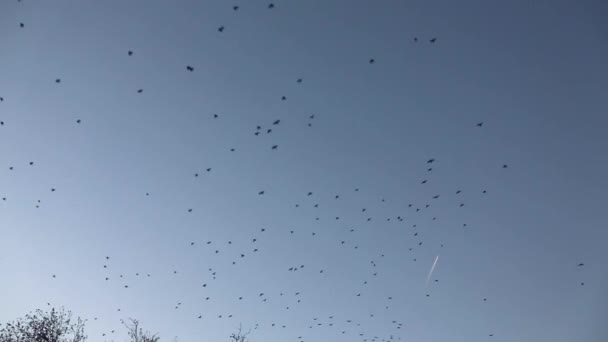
(533, 72)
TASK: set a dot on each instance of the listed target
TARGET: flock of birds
(342, 325)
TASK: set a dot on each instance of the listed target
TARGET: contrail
(432, 269)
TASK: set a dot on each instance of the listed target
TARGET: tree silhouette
(137, 334)
(239, 336)
(56, 325)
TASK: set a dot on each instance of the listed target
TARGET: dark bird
(58, 80)
(261, 192)
(274, 147)
(505, 166)
(432, 40)
(416, 39)
(139, 91)
(424, 181)
(276, 122)
(130, 53)
(78, 121)
(235, 8)
(215, 116)
(22, 25)
(372, 61)
(430, 160)
(283, 98)
(220, 29)
(271, 5)
(580, 264)
(480, 124)
(189, 68)
(299, 80)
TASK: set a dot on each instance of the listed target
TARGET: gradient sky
(533, 71)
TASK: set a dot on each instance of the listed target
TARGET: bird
(58, 80)
(433, 40)
(220, 29)
(139, 91)
(130, 53)
(22, 25)
(261, 192)
(480, 124)
(271, 5)
(235, 8)
(274, 147)
(189, 68)
(78, 121)
(372, 61)
(299, 80)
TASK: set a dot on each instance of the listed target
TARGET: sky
(533, 72)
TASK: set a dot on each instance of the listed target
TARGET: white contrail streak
(432, 269)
